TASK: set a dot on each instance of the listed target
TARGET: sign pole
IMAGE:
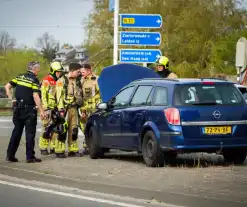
(115, 43)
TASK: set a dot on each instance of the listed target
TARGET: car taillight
(172, 116)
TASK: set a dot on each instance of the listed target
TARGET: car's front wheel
(95, 151)
(151, 152)
(235, 156)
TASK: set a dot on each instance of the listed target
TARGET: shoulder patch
(59, 83)
(93, 78)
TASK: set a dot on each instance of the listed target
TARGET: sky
(26, 20)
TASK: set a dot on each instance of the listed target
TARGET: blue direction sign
(140, 38)
(140, 20)
(139, 55)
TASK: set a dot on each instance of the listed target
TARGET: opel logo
(216, 114)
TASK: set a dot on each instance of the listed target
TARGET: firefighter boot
(60, 149)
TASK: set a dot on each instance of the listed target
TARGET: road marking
(94, 182)
(98, 200)
(10, 120)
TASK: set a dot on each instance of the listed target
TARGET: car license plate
(217, 130)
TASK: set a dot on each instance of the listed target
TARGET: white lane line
(38, 129)
(10, 120)
(98, 200)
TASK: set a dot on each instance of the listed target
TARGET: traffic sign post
(140, 38)
(140, 20)
(135, 38)
(115, 3)
(139, 55)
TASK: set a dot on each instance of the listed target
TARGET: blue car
(160, 118)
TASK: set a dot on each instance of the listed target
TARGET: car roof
(240, 86)
(179, 81)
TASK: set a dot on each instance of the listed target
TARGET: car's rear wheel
(151, 152)
(95, 151)
(235, 156)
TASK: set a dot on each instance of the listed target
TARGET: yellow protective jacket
(68, 92)
(91, 93)
(48, 92)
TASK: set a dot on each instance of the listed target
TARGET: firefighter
(162, 67)
(25, 106)
(91, 97)
(48, 97)
(69, 99)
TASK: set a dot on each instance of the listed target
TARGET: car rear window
(207, 94)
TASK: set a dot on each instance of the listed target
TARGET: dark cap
(74, 66)
(86, 65)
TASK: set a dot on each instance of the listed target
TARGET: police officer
(48, 97)
(25, 112)
(162, 67)
(91, 96)
(69, 98)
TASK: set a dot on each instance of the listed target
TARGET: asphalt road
(6, 127)
(23, 193)
(183, 183)
(11, 196)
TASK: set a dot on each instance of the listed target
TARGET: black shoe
(60, 155)
(74, 154)
(12, 159)
(44, 152)
(33, 160)
(52, 151)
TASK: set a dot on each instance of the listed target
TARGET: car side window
(122, 98)
(160, 96)
(141, 96)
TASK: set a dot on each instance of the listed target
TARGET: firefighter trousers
(48, 137)
(72, 129)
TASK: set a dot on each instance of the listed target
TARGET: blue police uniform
(24, 115)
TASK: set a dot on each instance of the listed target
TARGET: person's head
(34, 67)
(74, 70)
(86, 70)
(56, 69)
(162, 63)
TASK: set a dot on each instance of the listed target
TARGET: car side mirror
(102, 106)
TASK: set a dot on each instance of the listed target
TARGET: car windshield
(207, 94)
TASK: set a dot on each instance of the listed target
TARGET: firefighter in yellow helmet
(48, 99)
(162, 68)
(91, 97)
(69, 98)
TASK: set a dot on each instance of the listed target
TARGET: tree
(48, 45)
(192, 34)
(6, 42)
(15, 62)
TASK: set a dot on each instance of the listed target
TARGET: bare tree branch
(6, 42)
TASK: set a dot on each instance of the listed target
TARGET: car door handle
(118, 115)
